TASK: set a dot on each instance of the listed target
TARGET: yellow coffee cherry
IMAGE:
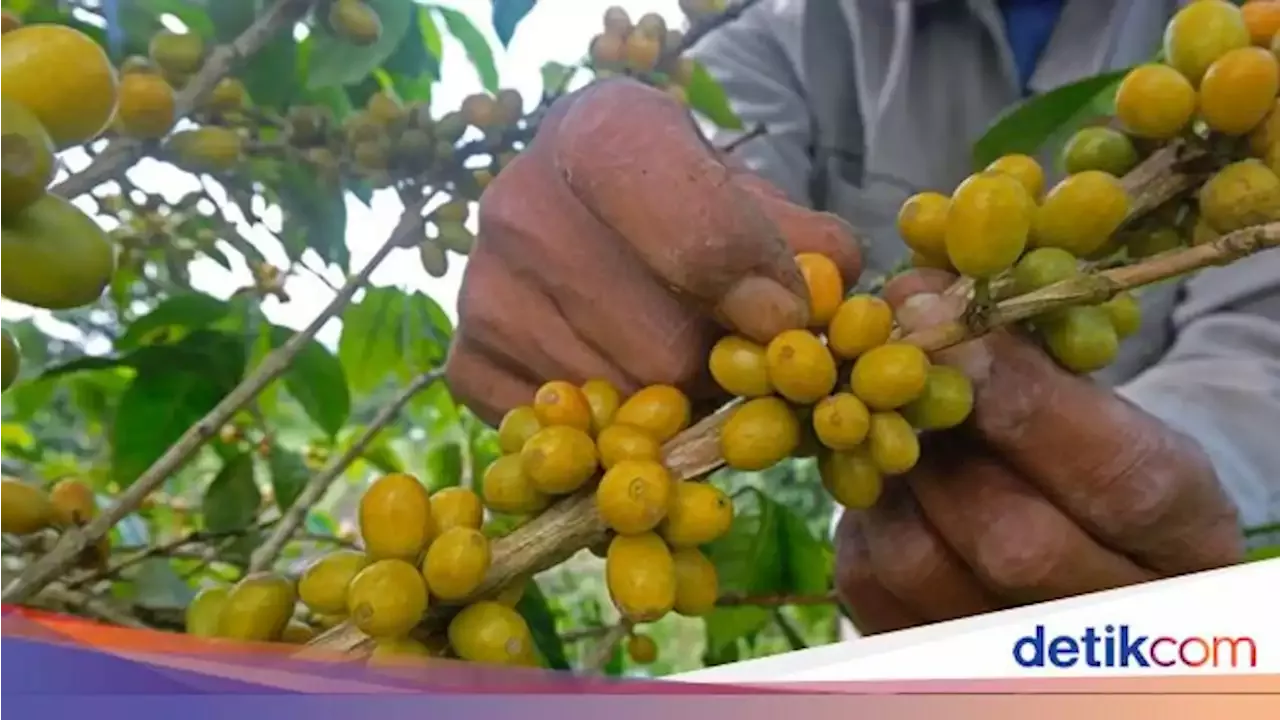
(491, 633)
(697, 582)
(660, 410)
(456, 507)
(633, 496)
(1024, 169)
(890, 376)
(894, 447)
(825, 285)
(1202, 32)
(1155, 101)
(699, 513)
(1043, 267)
(603, 399)
(395, 518)
(1125, 314)
(759, 433)
(507, 489)
(988, 225)
(922, 223)
(1082, 339)
(641, 577)
(946, 401)
(841, 421)
(739, 367)
(851, 477)
(562, 403)
(801, 367)
(517, 426)
(1239, 195)
(559, 459)
(456, 563)
(1239, 90)
(1081, 213)
(624, 442)
(387, 598)
(861, 323)
(323, 586)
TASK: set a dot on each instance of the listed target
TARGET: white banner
(1218, 622)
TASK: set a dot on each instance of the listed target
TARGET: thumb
(648, 174)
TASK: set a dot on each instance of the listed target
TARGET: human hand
(1055, 487)
(620, 246)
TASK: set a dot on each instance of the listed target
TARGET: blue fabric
(1028, 25)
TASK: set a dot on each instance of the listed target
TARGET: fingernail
(924, 310)
(760, 308)
(927, 310)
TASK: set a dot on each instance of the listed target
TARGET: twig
(585, 633)
(600, 654)
(190, 538)
(758, 131)
(90, 605)
(702, 28)
(73, 542)
(315, 489)
(776, 600)
(122, 152)
(793, 636)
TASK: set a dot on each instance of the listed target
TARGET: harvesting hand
(1056, 487)
(620, 246)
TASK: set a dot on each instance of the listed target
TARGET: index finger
(635, 158)
(1134, 483)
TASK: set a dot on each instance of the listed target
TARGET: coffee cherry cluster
(417, 549)
(647, 50)
(843, 390)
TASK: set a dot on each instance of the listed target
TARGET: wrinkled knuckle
(1143, 485)
(1020, 558)
(913, 560)
(593, 123)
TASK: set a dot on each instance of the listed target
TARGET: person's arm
(1220, 382)
(745, 56)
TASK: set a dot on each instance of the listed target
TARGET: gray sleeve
(747, 58)
(1220, 381)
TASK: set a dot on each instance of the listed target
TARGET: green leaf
(158, 587)
(314, 217)
(232, 17)
(377, 453)
(268, 74)
(1029, 125)
(172, 318)
(415, 56)
(316, 380)
(231, 501)
(88, 363)
(808, 561)
(507, 14)
(748, 560)
(431, 38)
(390, 332)
(175, 387)
(709, 99)
(475, 45)
(320, 522)
(289, 474)
(191, 14)
(444, 466)
(542, 624)
(334, 61)
(556, 77)
(1267, 552)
